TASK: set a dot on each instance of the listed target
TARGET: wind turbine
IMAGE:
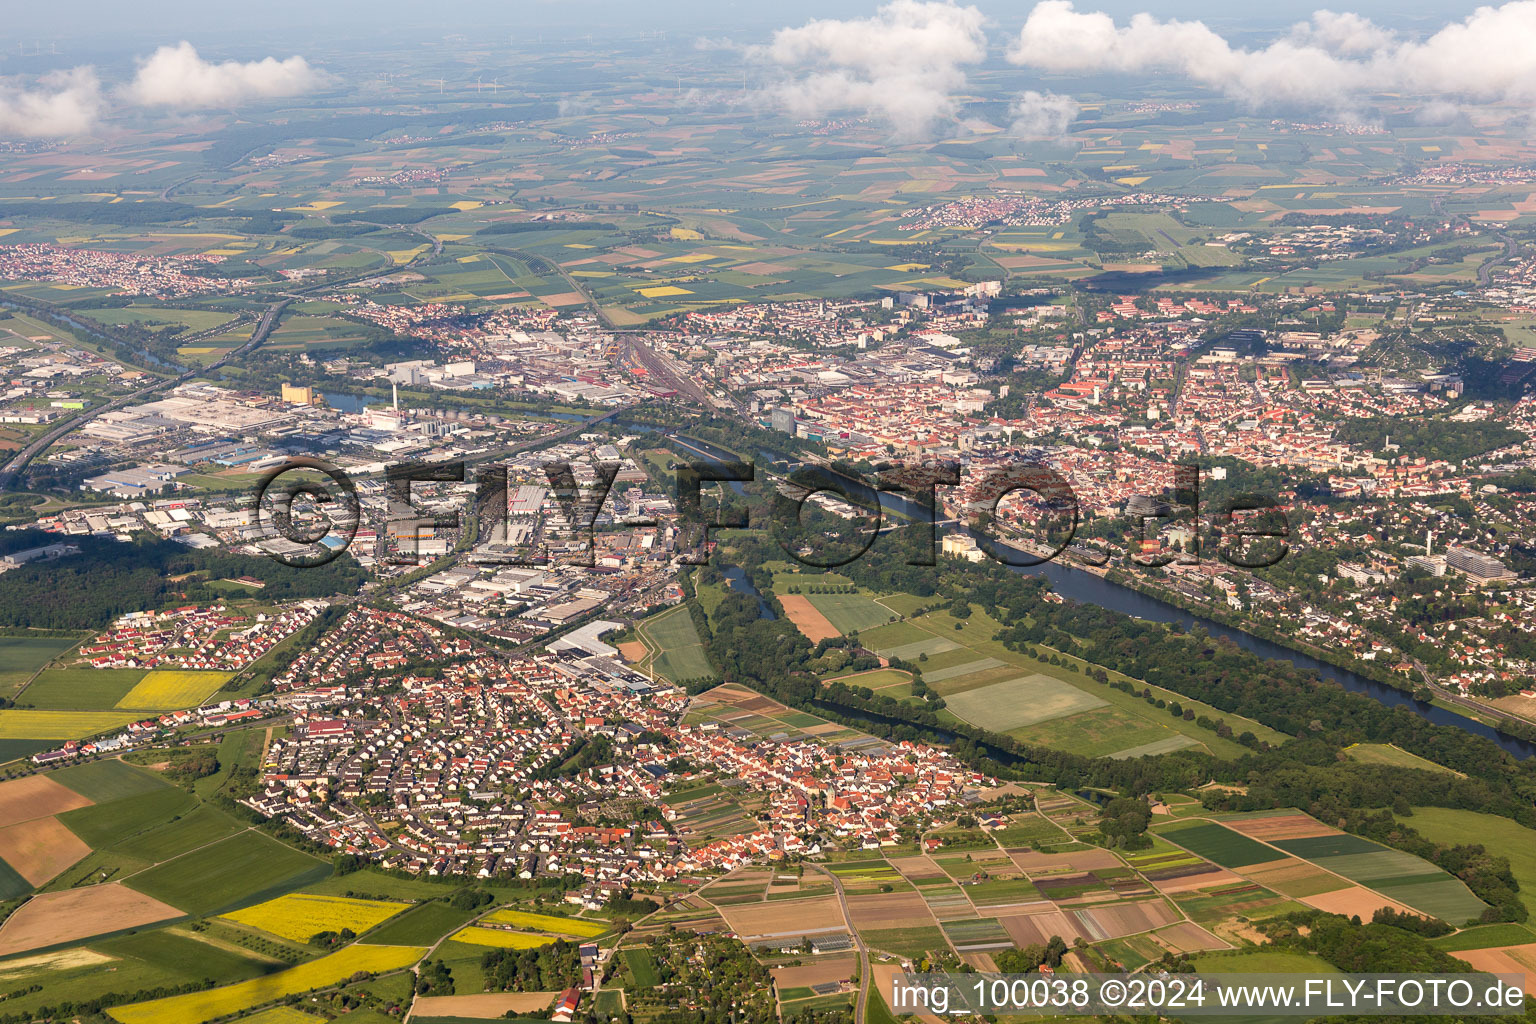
(496, 86)
(477, 85)
(439, 86)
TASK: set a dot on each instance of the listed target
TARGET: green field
(677, 653)
(113, 823)
(911, 942)
(1025, 700)
(1217, 844)
(1385, 753)
(241, 869)
(1393, 873)
(420, 926)
(1501, 836)
(641, 968)
(104, 781)
(21, 656)
(79, 689)
(850, 613)
(1485, 937)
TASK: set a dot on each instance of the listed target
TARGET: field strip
(1348, 882)
(941, 674)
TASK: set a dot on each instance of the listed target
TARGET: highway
(13, 469)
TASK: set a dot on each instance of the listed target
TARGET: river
(1092, 589)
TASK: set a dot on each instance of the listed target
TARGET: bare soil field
(1292, 877)
(785, 917)
(35, 796)
(807, 619)
(57, 917)
(1032, 929)
(1505, 960)
(819, 972)
(488, 1005)
(1126, 918)
(1355, 899)
(1281, 826)
(1187, 937)
(917, 867)
(41, 848)
(889, 910)
(630, 652)
(1189, 883)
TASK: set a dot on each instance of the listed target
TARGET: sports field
(172, 690)
(196, 1007)
(1019, 702)
(301, 916)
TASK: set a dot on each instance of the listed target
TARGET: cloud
(63, 103)
(903, 65)
(175, 76)
(1041, 115)
(1331, 63)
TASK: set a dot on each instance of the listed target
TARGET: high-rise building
(1478, 566)
(297, 395)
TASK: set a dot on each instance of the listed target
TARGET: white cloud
(1331, 63)
(1038, 115)
(903, 65)
(175, 76)
(63, 103)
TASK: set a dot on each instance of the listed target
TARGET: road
(1485, 270)
(865, 980)
(13, 469)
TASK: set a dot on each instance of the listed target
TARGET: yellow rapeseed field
(502, 938)
(569, 927)
(196, 1007)
(299, 916)
(166, 689)
(59, 725)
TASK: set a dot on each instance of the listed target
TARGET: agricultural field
(1381, 753)
(421, 926)
(80, 689)
(172, 690)
(851, 613)
(22, 656)
(300, 916)
(60, 725)
(196, 1007)
(229, 872)
(55, 918)
(567, 927)
(1501, 836)
(676, 652)
(501, 938)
